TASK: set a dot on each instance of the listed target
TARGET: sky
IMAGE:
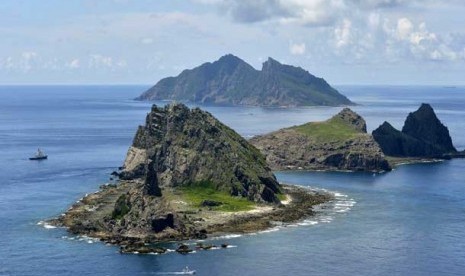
(389, 42)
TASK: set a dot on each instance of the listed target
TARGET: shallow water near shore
(406, 222)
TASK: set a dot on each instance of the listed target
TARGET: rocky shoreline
(80, 217)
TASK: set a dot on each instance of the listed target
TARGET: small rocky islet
(422, 136)
(187, 176)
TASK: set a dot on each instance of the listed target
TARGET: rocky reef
(186, 175)
(340, 143)
(231, 81)
(423, 135)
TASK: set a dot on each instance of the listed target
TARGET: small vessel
(39, 155)
(187, 271)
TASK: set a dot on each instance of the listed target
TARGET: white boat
(39, 155)
(187, 271)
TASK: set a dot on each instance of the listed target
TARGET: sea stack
(340, 143)
(423, 135)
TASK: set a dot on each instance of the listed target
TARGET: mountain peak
(185, 146)
(231, 81)
(349, 116)
(229, 58)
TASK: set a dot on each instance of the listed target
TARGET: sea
(410, 221)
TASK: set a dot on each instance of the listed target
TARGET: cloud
(404, 28)
(303, 12)
(24, 62)
(343, 34)
(75, 63)
(297, 48)
(420, 43)
(255, 10)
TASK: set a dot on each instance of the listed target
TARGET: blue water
(407, 222)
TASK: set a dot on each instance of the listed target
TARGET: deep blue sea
(410, 221)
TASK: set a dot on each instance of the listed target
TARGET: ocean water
(410, 221)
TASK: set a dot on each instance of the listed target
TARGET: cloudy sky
(141, 41)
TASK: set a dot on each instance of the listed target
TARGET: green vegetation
(281, 197)
(197, 192)
(332, 130)
(121, 208)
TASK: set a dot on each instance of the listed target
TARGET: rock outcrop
(185, 147)
(423, 135)
(231, 81)
(340, 143)
(183, 168)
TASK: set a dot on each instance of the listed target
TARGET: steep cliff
(231, 81)
(340, 143)
(184, 147)
(423, 135)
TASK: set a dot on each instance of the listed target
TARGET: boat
(187, 271)
(39, 155)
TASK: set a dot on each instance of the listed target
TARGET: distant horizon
(445, 85)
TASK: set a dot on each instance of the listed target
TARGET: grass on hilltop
(332, 130)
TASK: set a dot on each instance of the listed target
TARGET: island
(423, 137)
(187, 176)
(231, 81)
(340, 143)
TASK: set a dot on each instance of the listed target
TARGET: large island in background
(231, 81)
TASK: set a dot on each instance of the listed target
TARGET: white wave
(274, 229)
(46, 225)
(227, 237)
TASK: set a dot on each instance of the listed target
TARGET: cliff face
(423, 135)
(184, 147)
(340, 143)
(231, 81)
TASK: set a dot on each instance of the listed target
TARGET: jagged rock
(190, 146)
(423, 135)
(183, 249)
(340, 143)
(232, 81)
(353, 119)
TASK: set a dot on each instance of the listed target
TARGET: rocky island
(187, 176)
(231, 81)
(422, 136)
(340, 143)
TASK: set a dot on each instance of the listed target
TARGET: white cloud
(404, 28)
(343, 33)
(297, 48)
(99, 61)
(75, 63)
